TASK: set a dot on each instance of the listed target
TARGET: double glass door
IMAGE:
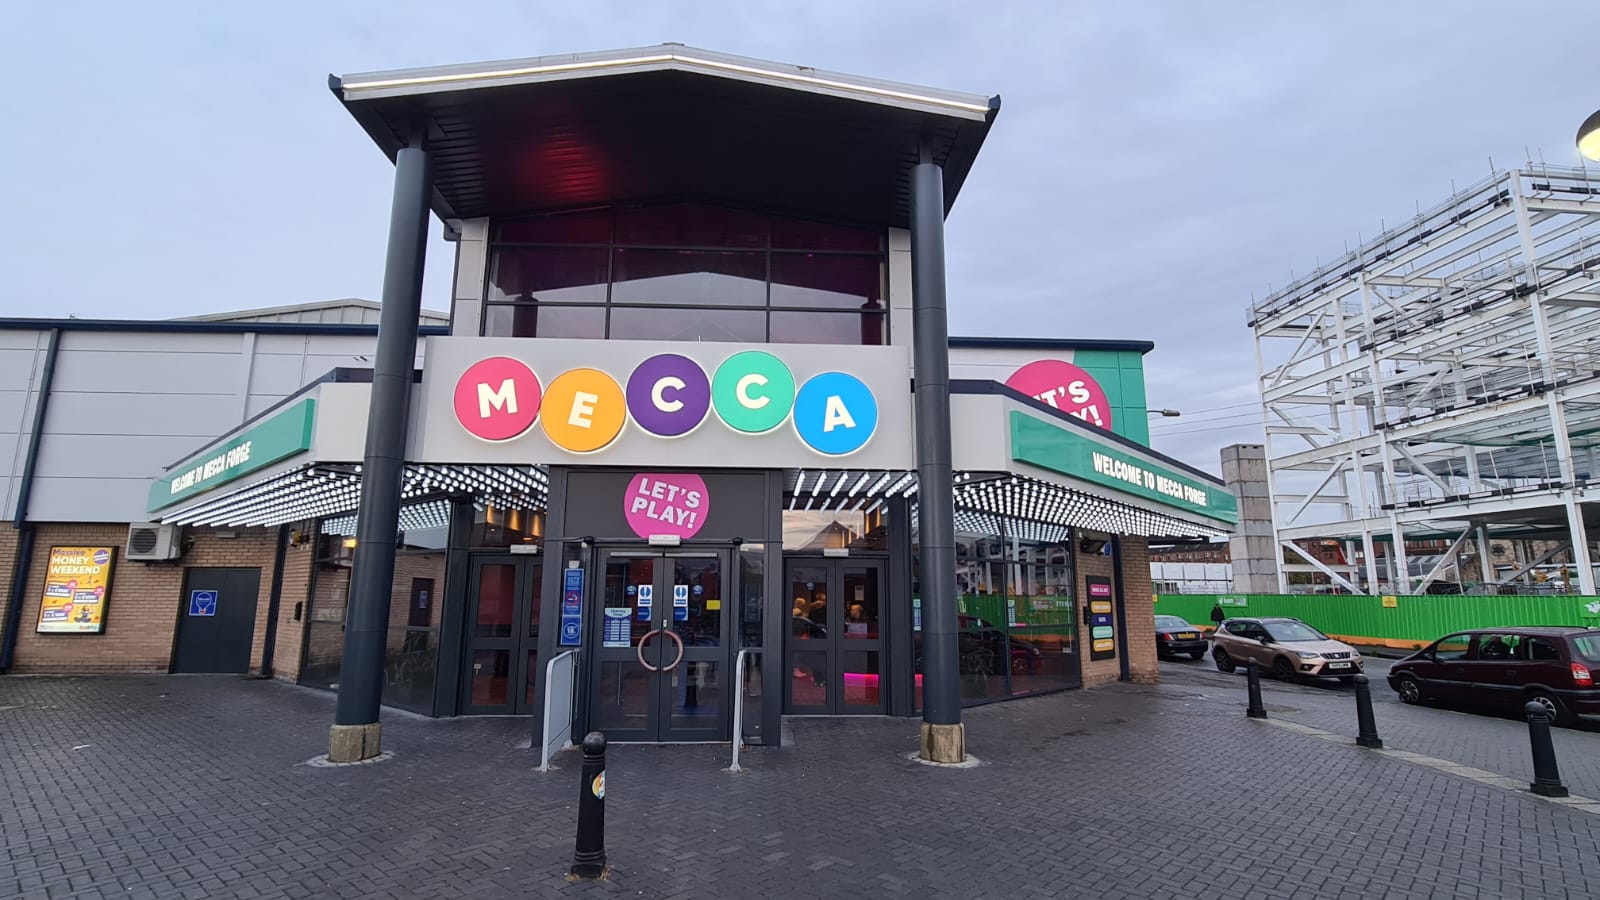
(834, 654)
(502, 658)
(662, 661)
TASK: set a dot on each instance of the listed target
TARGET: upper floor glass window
(686, 271)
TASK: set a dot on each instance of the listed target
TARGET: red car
(1505, 668)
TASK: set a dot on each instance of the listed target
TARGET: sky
(1154, 166)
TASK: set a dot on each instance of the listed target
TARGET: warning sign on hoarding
(77, 587)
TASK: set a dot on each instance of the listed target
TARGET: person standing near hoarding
(1217, 615)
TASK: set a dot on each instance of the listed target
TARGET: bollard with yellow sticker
(589, 856)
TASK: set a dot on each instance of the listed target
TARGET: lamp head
(1589, 137)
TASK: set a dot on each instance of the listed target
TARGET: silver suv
(1288, 648)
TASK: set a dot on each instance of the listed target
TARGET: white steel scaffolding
(1442, 381)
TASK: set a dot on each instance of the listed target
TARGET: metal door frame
(835, 644)
(662, 640)
(529, 572)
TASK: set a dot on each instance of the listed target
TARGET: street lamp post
(1164, 413)
(1589, 136)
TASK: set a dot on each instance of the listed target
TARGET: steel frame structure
(1441, 380)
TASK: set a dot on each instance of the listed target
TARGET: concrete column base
(354, 743)
(944, 743)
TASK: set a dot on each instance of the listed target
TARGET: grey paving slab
(180, 787)
(1484, 740)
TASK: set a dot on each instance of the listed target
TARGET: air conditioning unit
(154, 542)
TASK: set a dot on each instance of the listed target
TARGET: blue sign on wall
(571, 607)
(202, 603)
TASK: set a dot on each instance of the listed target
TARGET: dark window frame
(768, 251)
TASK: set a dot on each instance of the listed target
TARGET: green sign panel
(273, 440)
(1064, 450)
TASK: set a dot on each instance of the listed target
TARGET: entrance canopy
(1015, 458)
(666, 121)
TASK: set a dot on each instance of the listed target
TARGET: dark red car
(1505, 668)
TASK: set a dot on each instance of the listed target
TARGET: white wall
(124, 405)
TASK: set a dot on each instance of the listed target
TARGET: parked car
(1505, 668)
(1288, 648)
(1174, 635)
(981, 644)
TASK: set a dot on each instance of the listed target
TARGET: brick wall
(1138, 603)
(8, 555)
(142, 613)
(297, 564)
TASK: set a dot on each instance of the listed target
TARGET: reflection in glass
(860, 673)
(497, 600)
(623, 695)
(689, 278)
(820, 281)
(535, 320)
(812, 531)
(860, 604)
(586, 227)
(624, 576)
(827, 328)
(549, 275)
(799, 234)
(700, 625)
(491, 677)
(639, 323)
(808, 678)
(697, 695)
(691, 225)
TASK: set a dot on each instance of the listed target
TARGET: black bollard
(1546, 777)
(1253, 676)
(589, 857)
(1366, 725)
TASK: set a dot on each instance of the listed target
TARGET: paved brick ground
(1496, 743)
(196, 787)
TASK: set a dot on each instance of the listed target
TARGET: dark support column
(357, 733)
(942, 736)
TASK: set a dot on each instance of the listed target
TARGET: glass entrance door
(502, 661)
(834, 653)
(663, 655)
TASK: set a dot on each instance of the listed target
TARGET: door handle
(646, 639)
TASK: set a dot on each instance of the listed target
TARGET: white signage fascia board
(438, 437)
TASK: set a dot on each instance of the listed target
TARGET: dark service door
(216, 621)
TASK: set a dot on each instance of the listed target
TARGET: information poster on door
(77, 587)
(572, 607)
(1102, 627)
(618, 627)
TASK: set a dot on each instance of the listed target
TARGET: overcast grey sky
(1154, 163)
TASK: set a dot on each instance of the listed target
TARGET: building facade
(663, 458)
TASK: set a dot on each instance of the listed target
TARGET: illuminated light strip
(558, 68)
(857, 488)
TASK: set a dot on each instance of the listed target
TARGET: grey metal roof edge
(337, 303)
(189, 326)
(979, 342)
(355, 87)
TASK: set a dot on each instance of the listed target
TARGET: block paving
(151, 786)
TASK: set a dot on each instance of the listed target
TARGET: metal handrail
(544, 735)
(738, 705)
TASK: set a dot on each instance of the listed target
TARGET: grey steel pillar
(357, 733)
(943, 739)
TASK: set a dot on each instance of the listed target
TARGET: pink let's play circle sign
(666, 503)
(1065, 387)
